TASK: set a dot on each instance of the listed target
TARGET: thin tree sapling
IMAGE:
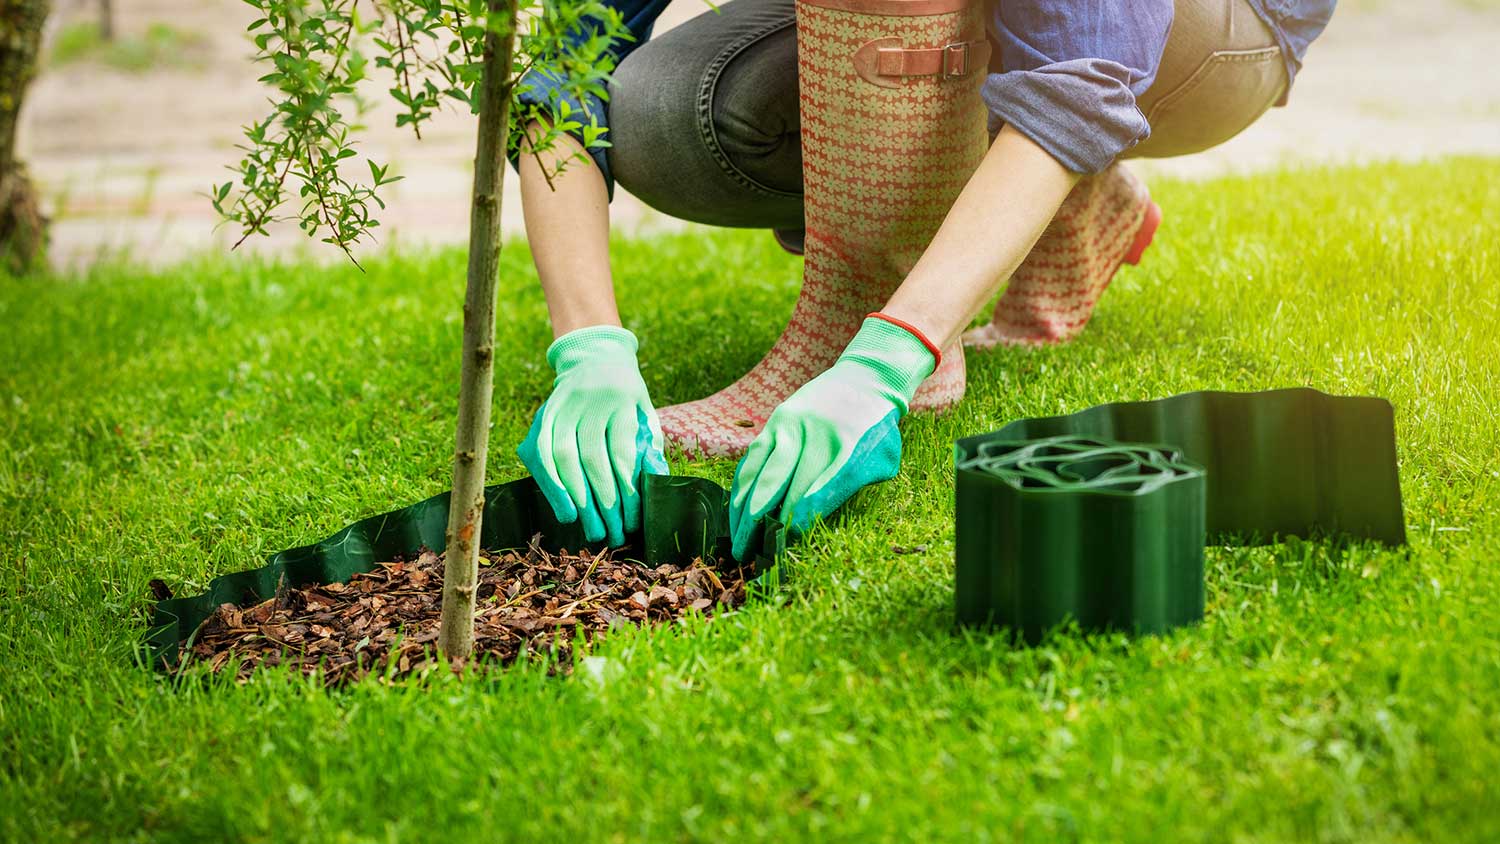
(299, 162)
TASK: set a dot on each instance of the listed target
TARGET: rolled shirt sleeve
(542, 87)
(1297, 23)
(1070, 73)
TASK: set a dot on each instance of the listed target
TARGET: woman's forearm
(567, 227)
(988, 232)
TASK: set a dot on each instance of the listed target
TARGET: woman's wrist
(922, 319)
(566, 320)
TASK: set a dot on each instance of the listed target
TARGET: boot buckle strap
(885, 62)
(956, 60)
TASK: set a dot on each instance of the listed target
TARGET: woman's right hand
(597, 433)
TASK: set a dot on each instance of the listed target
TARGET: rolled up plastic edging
(683, 518)
(1047, 532)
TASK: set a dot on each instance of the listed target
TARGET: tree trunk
(22, 227)
(461, 570)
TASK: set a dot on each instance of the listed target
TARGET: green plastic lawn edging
(1101, 516)
(683, 518)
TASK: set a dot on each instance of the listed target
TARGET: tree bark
(476, 386)
(22, 227)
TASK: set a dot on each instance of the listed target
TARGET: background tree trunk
(22, 227)
(476, 385)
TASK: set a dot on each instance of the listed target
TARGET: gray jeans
(704, 121)
(705, 126)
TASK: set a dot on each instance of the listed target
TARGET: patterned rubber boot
(1107, 221)
(892, 128)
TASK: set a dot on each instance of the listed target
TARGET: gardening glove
(833, 436)
(596, 434)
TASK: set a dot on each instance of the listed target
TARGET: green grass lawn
(186, 423)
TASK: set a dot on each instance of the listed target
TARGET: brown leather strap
(950, 60)
(893, 7)
(885, 62)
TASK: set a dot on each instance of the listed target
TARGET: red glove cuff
(937, 355)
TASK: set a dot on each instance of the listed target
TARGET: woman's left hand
(832, 437)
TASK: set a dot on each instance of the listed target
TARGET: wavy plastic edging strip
(683, 518)
(1072, 517)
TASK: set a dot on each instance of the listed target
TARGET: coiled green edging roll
(683, 518)
(1072, 464)
(1073, 517)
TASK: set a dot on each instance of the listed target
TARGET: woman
(882, 153)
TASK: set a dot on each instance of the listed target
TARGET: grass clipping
(531, 604)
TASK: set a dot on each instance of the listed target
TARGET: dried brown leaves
(386, 621)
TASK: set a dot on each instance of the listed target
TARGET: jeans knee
(761, 141)
(706, 130)
(755, 112)
(652, 118)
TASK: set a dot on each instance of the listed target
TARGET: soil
(532, 604)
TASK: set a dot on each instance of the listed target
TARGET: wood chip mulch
(531, 603)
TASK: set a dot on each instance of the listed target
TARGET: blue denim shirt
(1073, 68)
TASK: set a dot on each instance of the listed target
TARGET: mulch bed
(531, 603)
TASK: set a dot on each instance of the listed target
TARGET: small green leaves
(378, 174)
(434, 53)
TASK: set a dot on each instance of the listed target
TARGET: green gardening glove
(596, 434)
(832, 437)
